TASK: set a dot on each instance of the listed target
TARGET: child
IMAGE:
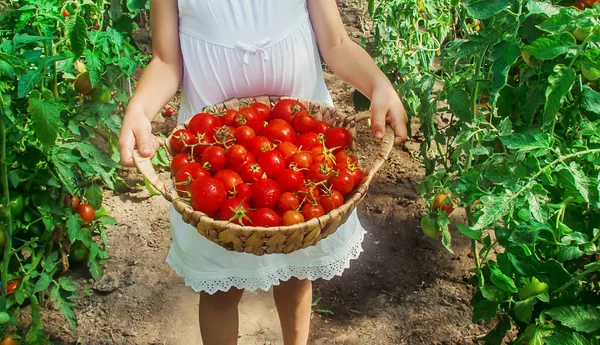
(223, 49)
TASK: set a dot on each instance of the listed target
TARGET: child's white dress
(244, 48)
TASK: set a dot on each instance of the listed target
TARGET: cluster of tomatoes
(582, 4)
(258, 166)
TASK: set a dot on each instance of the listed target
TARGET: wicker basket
(283, 239)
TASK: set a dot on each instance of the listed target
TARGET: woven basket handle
(385, 148)
(144, 165)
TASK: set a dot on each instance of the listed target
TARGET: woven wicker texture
(283, 239)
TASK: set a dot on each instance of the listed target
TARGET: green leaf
(28, 82)
(534, 335)
(560, 21)
(550, 47)
(34, 333)
(582, 318)
(78, 35)
(484, 9)
(497, 335)
(483, 310)
(472, 234)
(43, 283)
(494, 208)
(49, 60)
(49, 262)
(93, 195)
(7, 69)
(590, 100)
(107, 220)
(524, 309)
(149, 187)
(526, 142)
(94, 65)
(500, 279)
(542, 7)
(528, 233)
(74, 228)
(493, 293)
(561, 82)
(65, 306)
(535, 208)
(136, 5)
(504, 55)
(459, 102)
(574, 181)
(566, 339)
(45, 118)
(66, 284)
(443, 222)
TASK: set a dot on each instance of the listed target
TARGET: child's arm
(158, 84)
(354, 65)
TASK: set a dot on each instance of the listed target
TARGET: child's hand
(387, 106)
(136, 132)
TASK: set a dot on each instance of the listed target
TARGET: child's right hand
(136, 132)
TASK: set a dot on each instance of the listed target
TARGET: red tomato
(290, 181)
(310, 211)
(229, 117)
(168, 111)
(338, 139)
(341, 182)
(214, 159)
(321, 127)
(204, 123)
(272, 162)
(181, 139)
(251, 172)
(188, 173)
(178, 161)
(308, 141)
(345, 157)
(86, 212)
(263, 110)
(279, 131)
(65, 13)
(265, 217)
(318, 172)
(244, 135)
(202, 142)
(304, 123)
(310, 193)
(236, 167)
(288, 201)
(300, 160)
(332, 200)
(286, 109)
(208, 194)
(11, 286)
(236, 155)
(260, 144)
(265, 193)
(292, 217)
(353, 171)
(287, 148)
(230, 179)
(249, 117)
(236, 211)
(323, 155)
(443, 202)
(224, 136)
(242, 191)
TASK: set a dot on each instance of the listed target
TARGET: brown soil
(404, 288)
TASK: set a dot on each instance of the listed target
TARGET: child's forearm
(353, 65)
(157, 86)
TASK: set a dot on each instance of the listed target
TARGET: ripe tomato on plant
(308, 141)
(444, 202)
(291, 217)
(278, 130)
(229, 178)
(265, 217)
(251, 172)
(178, 161)
(8, 340)
(290, 180)
(300, 160)
(288, 201)
(235, 210)
(304, 123)
(204, 123)
(338, 139)
(65, 13)
(75, 202)
(86, 212)
(11, 286)
(286, 109)
(265, 193)
(214, 159)
(208, 194)
(263, 110)
(244, 135)
(181, 140)
(312, 210)
(272, 162)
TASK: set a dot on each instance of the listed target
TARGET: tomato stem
(5, 212)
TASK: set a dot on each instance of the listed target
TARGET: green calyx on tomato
(533, 288)
(4, 317)
(101, 94)
(430, 226)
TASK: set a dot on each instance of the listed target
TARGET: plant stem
(5, 213)
(475, 103)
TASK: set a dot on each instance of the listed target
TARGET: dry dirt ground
(404, 289)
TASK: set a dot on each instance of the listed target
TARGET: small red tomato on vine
(444, 202)
(65, 13)
(86, 212)
(11, 286)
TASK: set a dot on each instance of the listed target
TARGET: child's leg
(219, 317)
(293, 299)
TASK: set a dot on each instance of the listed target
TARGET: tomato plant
(519, 151)
(62, 85)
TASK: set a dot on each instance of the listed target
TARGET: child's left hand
(387, 106)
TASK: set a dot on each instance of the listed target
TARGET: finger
(126, 144)
(378, 116)
(144, 142)
(398, 120)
